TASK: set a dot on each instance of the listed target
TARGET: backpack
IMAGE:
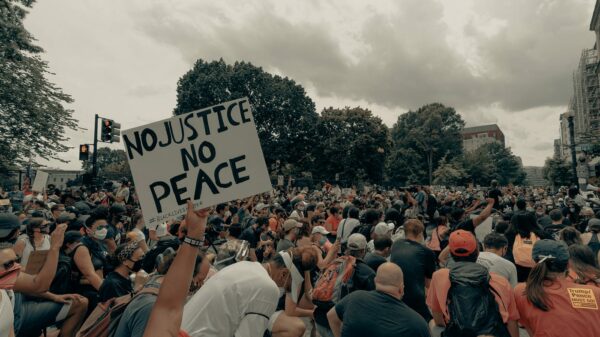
(247, 222)
(471, 304)
(522, 249)
(594, 243)
(363, 229)
(336, 281)
(104, 320)
(63, 280)
(553, 231)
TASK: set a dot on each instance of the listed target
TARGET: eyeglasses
(9, 264)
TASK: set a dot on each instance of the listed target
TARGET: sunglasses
(9, 264)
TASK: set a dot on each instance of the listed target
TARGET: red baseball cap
(462, 243)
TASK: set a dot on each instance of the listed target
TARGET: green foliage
(449, 173)
(420, 140)
(493, 161)
(285, 116)
(112, 164)
(351, 142)
(558, 172)
(32, 110)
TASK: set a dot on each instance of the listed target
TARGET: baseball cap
(550, 249)
(8, 223)
(383, 229)
(320, 230)
(291, 223)
(594, 223)
(462, 243)
(260, 206)
(356, 241)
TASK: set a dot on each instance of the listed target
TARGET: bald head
(389, 275)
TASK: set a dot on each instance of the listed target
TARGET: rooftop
(481, 128)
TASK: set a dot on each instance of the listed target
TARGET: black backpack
(553, 231)
(594, 244)
(471, 305)
(63, 282)
(363, 229)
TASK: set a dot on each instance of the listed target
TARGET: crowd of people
(330, 261)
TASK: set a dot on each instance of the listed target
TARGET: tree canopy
(285, 116)
(32, 109)
(558, 172)
(112, 164)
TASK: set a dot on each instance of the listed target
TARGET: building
(475, 137)
(585, 104)
(535, 176)
(59, 178)
(557, 148)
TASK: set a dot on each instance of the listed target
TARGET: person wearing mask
(319, 238)
(36, 238)
(253, 234)
(9, 273)
(378, 313)
(116, 222)
(495, 246)
(552, 305)
(463, 249)
(411, 254)
(127, 259)
(90, 258)
(380, 254)
(137, 232)
(583, 265)
(121, 197)
(165, 240)
(542, 218)
(290, 230)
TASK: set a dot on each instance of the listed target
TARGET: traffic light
(110, 131)
(84, 152)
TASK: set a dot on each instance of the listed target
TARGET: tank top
(6, 314)
(29, 248)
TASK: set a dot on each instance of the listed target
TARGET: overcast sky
(508, 62)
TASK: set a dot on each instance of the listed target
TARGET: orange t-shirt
(273, 224)
(440, 285)
(574, 310)
(332, 223)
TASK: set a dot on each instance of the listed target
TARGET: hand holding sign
(196, 221)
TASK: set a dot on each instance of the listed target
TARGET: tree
(112, 164)
(431, 133)
(558, 172)
(351, 142)
(493, 161)
(285, 116)
(449, 173)
(32, 111)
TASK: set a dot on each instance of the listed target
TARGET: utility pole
(572, 146)
(95, 156)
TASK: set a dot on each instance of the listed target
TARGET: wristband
(194, 242)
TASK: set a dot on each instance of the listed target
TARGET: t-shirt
(495, 194)
(418, 263)
(377, 314)
(123, 192)
(466, 225)
(346, 227)
(437, 295)
(136, 316)
(284, 244)
(499, 265)
(114, 285)
(236, 301)
(374, 261)
(574, 310)
(332, 223)
(6, 314)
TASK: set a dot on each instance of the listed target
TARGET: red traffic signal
(84, 152)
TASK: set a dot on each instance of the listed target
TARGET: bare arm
(83, 261)
(331, 255)
(19, 247)
(335, 323)
(166, 315)
(487, 211)
(292, 309)
(40, 283)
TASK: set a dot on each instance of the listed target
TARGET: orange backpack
(336, 281)
(522, 249)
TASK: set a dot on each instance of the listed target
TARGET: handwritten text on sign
(210, 156)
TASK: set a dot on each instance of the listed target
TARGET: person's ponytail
(534, 288)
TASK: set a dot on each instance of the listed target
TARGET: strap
(257, 313)
(343, 225)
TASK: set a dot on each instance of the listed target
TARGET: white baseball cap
(320, 230)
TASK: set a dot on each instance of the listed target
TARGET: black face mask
(137, 265)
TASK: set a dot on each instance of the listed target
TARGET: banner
(39, 183)
(210, 156)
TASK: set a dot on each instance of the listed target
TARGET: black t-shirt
(418, 263)
(495, 194)
(466, 225)
(250, 234)
(377, 314)
(114, 285)
(374, 261)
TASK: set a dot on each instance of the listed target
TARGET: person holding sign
(549, 299)
(36, 238)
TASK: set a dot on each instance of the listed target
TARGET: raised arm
(487, 211)
(165, 318)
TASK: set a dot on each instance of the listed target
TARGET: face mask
(137, 266)
(100, 234)
(322, 241)
(540, 213)
(572, 210)
(8, 278)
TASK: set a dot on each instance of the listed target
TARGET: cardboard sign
(280, 180)
(582, 298)
(210, 156)
(39, 184)
(36, 261)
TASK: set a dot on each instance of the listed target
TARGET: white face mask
(100, 234)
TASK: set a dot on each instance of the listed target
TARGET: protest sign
(210, 156)
(36, 261)
(39, 183)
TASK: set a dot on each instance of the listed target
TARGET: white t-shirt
(29, 248)
(499, 265)
(6, 314)
(236, 301)
(123, 192)
(345, 228)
